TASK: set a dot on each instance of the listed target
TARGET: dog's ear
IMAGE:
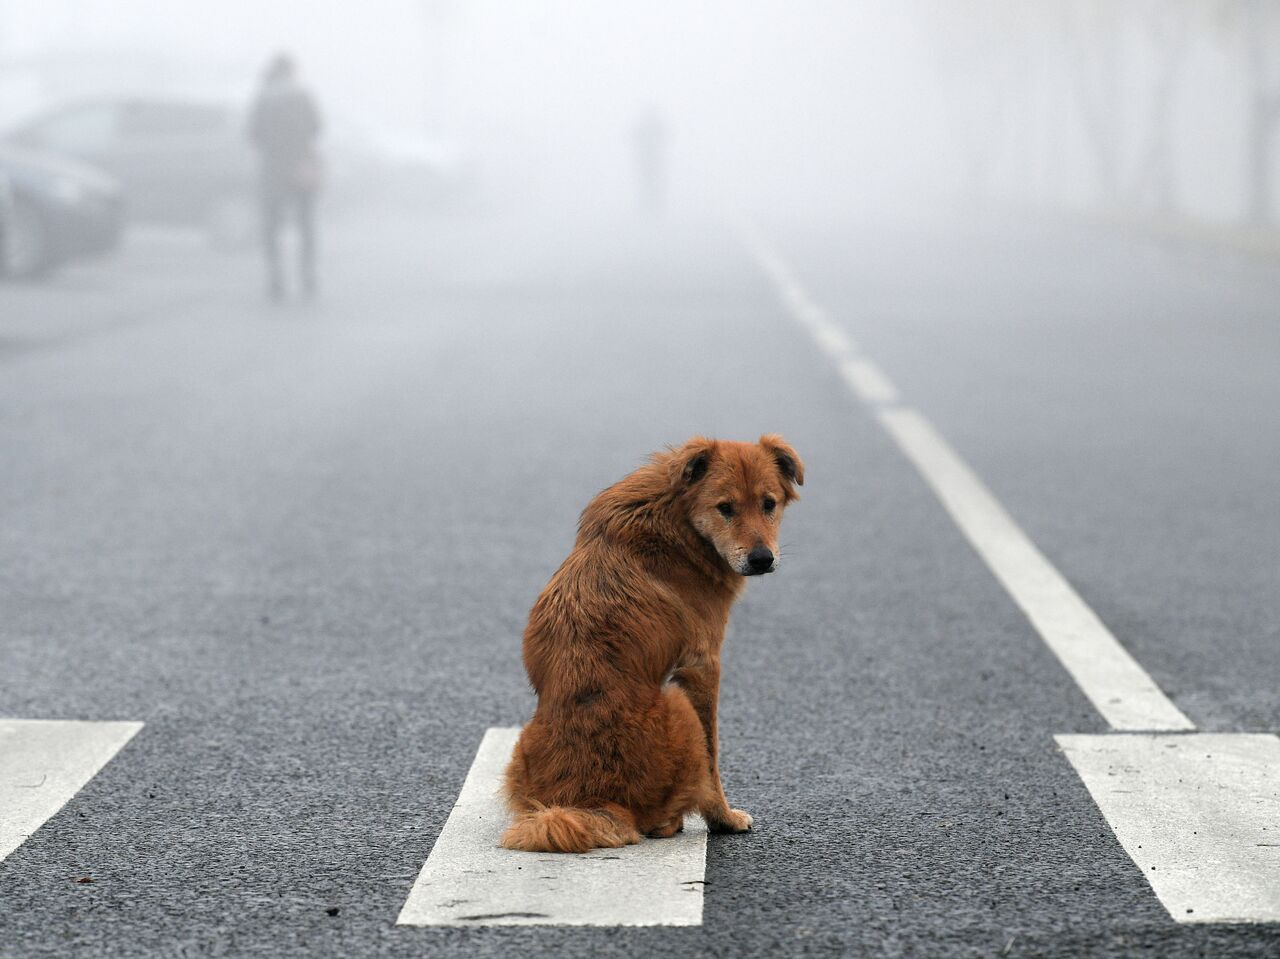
(689, 462)
(789, 464)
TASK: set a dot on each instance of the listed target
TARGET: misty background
(814, 107)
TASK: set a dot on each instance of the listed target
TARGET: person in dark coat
(284, 124)
(649, 143)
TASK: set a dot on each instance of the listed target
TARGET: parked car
(179, 161)
(189, 162)
(57, 210)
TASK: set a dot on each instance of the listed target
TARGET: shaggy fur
(623, 649)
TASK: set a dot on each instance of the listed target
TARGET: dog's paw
(734, 821)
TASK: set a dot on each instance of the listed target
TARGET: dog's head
(735, 493)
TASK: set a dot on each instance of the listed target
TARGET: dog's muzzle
(759, 561)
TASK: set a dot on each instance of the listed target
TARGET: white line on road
(43, 763)
(469, 880)
(867, 380)
(1114, 682)
(830, 337)
(1199, 815)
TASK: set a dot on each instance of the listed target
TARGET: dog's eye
(769, 504)
(726, 510)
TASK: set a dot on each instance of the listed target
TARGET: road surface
(298, 545)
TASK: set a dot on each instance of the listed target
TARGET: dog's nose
(760, 560)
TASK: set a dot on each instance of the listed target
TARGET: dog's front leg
(701, 682)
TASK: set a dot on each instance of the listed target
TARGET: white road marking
(1199, 815)
(43, 763)
(833, 340)
(469, 880)
(867, 380)
(1117, 686)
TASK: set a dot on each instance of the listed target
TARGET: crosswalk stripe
(469, 880)
(1199, 815)
(43, 763)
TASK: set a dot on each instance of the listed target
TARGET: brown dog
(623, 648)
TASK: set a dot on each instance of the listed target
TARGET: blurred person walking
(649, 145)
(284, 124)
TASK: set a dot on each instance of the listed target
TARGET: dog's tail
(569, 829)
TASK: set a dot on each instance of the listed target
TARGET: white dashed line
(43, 763)
(830, 337)
(866, 379)
(1199, 814)
(1114, 682)
(1117, 686)
(469, 880)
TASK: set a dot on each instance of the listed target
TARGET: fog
(852, 111)
(815, 102)
(832, 107)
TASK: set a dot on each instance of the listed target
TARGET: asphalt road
(300, 543)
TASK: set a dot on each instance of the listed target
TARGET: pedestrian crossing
(468, 880)
(1197, 812)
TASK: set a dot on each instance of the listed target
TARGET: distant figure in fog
(284, 125)
(649, 141)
